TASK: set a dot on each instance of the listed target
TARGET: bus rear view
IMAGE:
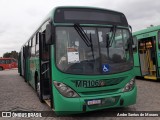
(89, 58)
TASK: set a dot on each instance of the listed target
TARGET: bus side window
(29, 48)
(30, 43)
(37, 44)
(33, 46)
(2, 62)
(8, 62)
(159, 39)
(44, 46)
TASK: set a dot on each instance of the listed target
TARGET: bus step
(152, 70)
(45, 97)
(150, 77)
(48, 102)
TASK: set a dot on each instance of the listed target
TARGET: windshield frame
(100, 61)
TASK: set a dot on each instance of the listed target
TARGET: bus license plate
(93, 102)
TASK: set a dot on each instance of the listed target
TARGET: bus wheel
(1, 68)
(38, 89)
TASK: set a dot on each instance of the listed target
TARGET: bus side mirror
(134, 44)
(130, 28)
(134, 47)
(48, 34)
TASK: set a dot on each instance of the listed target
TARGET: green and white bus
(147, 54)
(81, 59)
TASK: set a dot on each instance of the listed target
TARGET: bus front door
(44, 68)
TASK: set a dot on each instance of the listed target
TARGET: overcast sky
(19, 18)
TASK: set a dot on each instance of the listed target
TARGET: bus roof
(147, 30)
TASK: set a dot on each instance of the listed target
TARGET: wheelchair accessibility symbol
(105, 68)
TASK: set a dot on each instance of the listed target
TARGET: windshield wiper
(107, 44)
(85, 38)
(91, 45)
(82, 34)
(110, 41)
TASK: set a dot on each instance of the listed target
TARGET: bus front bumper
(65, 106)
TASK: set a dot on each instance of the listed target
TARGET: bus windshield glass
(107, 48)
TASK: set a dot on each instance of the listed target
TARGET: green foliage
(12, 54)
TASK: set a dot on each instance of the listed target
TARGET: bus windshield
(109, 48)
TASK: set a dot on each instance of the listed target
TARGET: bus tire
(20, 74)
(38, 90)
(1, 68)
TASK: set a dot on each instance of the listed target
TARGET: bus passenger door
(148, 58)
(44, 67)
(25, 62)
(158, 55)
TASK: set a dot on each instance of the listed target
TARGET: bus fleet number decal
(89, 83)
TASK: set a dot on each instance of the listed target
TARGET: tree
(150, 26)
(12, 54)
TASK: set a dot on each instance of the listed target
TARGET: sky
(20, 18)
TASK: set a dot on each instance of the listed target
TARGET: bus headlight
(65, 90)
(129, 86)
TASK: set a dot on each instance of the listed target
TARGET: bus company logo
(6, 114)
(89, 83)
